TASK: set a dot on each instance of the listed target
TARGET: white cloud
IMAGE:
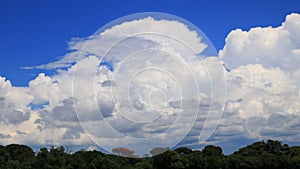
(164, 79)
(82, 47)
(5, 85)
(270, 47)
(149, 76)
(262, 85)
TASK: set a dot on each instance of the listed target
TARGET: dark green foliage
(193, 160)
(85, 159)
(105, 162)
(213, 157)
(167, 160)
(212, 151)
(143, 165)
(259, 155)
(17, 156)
(183, 150)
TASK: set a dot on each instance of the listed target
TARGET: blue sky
(258, 41)
(36, 32)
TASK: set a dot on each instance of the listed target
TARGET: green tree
(213, 157)
(13, 164)
(273, 147)
(295, 151)
(193, 160)
(254, 149)
(83, 159)
(183, 150)
(105, 162)
(295, 162)
(43, 159)
(143, 165)
(167, 160)
(4, 156)
(55, 158)
(20, 154)
(212, 151)
(234, 162)
(269, 160)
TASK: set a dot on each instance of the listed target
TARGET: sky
(37, 32)
(44, 42)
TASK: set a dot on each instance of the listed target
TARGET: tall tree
(122, 151)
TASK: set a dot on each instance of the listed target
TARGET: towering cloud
(262, 98)
(263, 84)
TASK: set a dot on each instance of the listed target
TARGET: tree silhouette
(259, 155)
(158, 150)
(122, 151)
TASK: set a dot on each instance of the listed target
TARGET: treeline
(259, 155)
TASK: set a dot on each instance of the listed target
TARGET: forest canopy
(259, 155)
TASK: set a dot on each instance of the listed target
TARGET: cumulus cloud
(262, 89)
(51, 105)
(144, 85)
(261, 100)
(11, 115)
(270, 47)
